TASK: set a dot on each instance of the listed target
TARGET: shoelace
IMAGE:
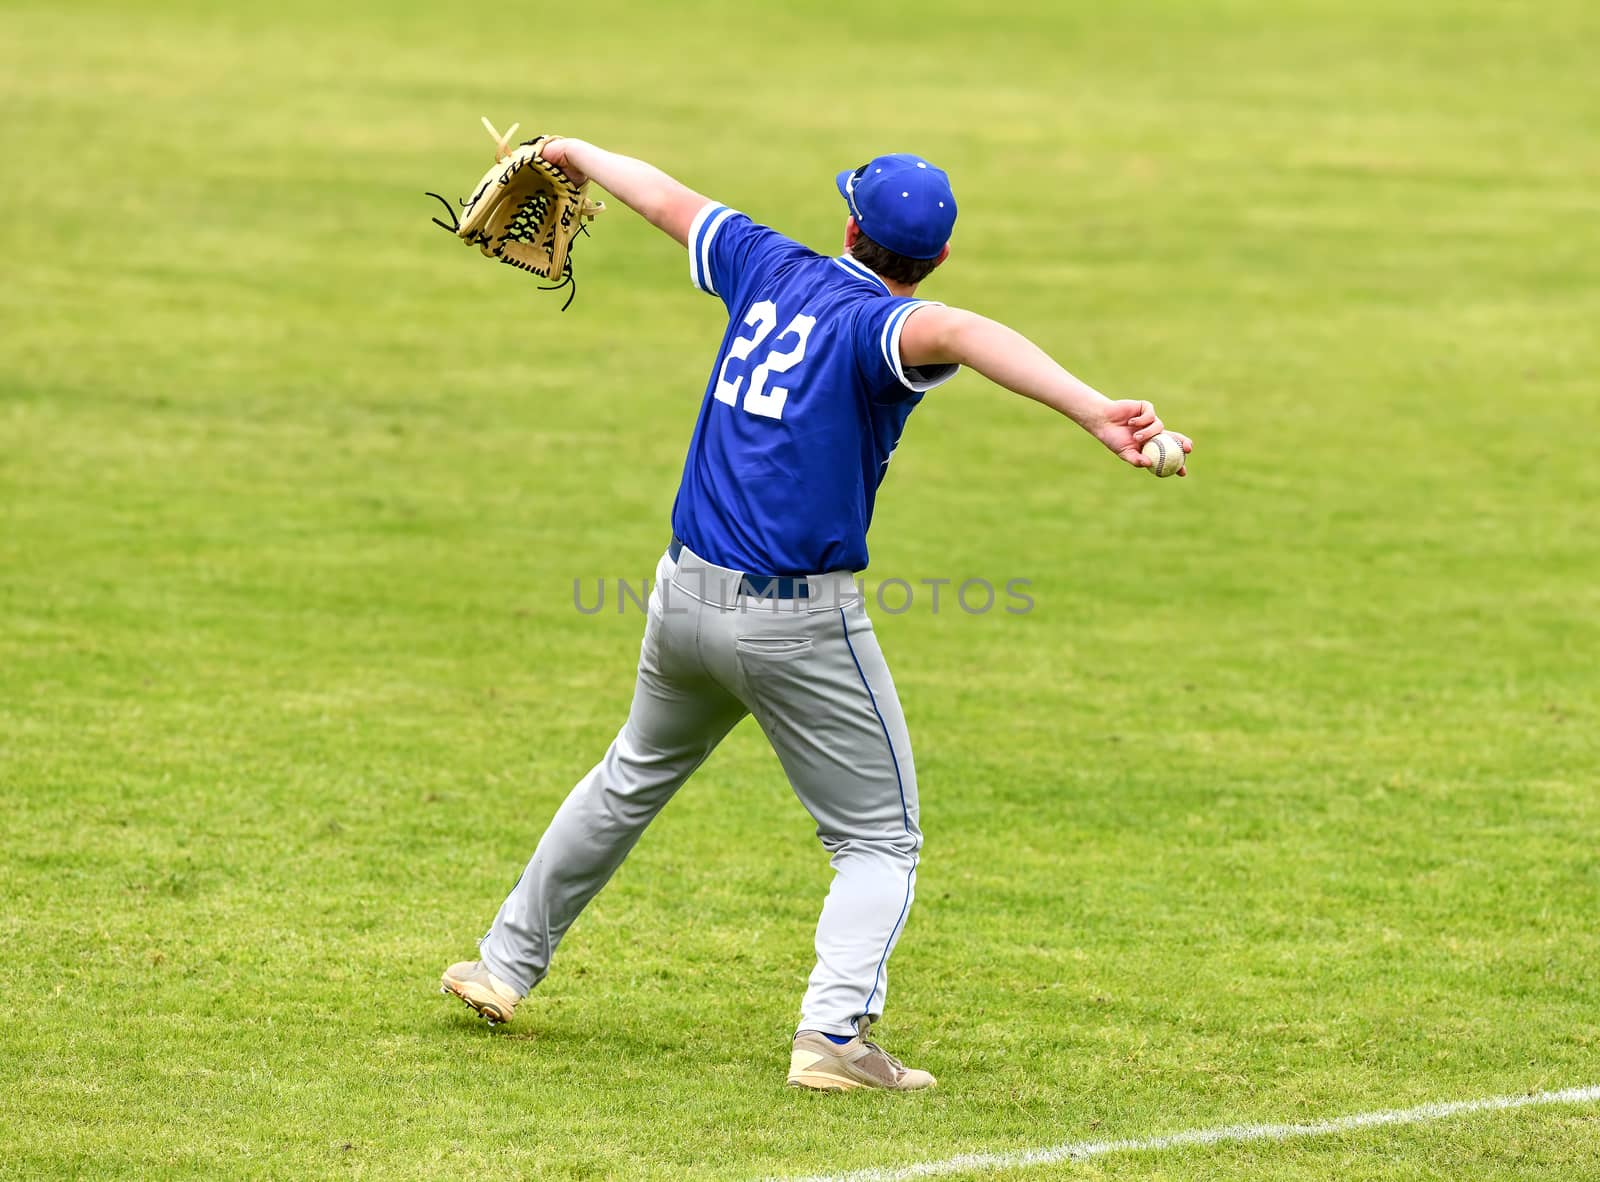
(898, 1066)
(863, 1027)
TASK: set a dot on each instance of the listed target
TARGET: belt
(760, 586)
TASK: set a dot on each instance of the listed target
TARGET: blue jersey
(804, 405)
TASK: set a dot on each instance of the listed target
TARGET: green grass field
(1281, 805)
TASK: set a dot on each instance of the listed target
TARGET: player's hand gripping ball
(1165, 453)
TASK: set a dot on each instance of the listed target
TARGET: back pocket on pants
(774, 648)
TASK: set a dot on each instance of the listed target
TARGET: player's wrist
(1088, 408)
(579, 152)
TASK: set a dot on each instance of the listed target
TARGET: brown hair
(890, 265)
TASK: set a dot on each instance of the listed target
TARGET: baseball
(1165, 453)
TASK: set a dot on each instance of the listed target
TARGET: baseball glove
(525, 212)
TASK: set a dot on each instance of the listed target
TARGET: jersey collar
(862, 272)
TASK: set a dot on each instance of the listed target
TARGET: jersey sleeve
(877, 339)
(727, 249)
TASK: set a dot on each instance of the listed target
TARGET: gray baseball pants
(811, 673)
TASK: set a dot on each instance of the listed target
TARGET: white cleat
(822, 1065)
(480, 991)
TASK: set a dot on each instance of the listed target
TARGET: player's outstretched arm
(935, 335)
(644, 188)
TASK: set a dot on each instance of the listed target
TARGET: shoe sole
(821, 1081)
(486, 1008)
(815, 1081)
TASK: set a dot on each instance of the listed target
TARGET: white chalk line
(1227, 1134)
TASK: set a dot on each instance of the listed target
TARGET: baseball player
(756, 609)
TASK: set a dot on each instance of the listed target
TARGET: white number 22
(758, 400)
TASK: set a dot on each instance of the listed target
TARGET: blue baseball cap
(902, 203)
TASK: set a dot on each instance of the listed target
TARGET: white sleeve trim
(914, 378)
(701, 231)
